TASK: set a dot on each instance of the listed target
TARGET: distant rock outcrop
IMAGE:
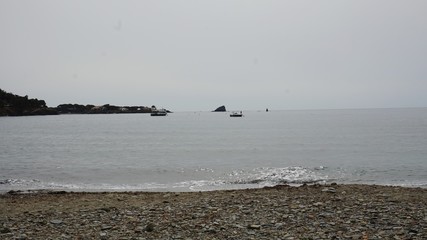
(220, 109)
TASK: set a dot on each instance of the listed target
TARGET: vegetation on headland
(107, 108)
(14, 105)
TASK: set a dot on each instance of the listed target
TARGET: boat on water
(236, 114)
(159, 112)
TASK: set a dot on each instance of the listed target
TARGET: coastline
(280, 212)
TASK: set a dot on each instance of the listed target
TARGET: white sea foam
(274, 176)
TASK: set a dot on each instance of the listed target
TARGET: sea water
(197, 151)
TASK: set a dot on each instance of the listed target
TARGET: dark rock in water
(220, 109)
(57, 192)
(13, 192)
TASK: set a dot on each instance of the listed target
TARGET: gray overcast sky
(198, 55)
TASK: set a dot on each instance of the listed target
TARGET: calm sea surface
(193, 151)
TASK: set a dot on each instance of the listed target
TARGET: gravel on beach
(281, 212)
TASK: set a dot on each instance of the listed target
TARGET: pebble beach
(281, 212)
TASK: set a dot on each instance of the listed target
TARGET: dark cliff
(14, 105)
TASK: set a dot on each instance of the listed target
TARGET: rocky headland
(15, 105)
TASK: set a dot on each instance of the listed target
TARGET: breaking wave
(254, 178)
(34, 184)
(274, 176)
(262, 177)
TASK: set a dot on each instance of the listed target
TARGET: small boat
(236, 114)
(159, 112)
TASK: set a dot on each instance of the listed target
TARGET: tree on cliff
(14, 105)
